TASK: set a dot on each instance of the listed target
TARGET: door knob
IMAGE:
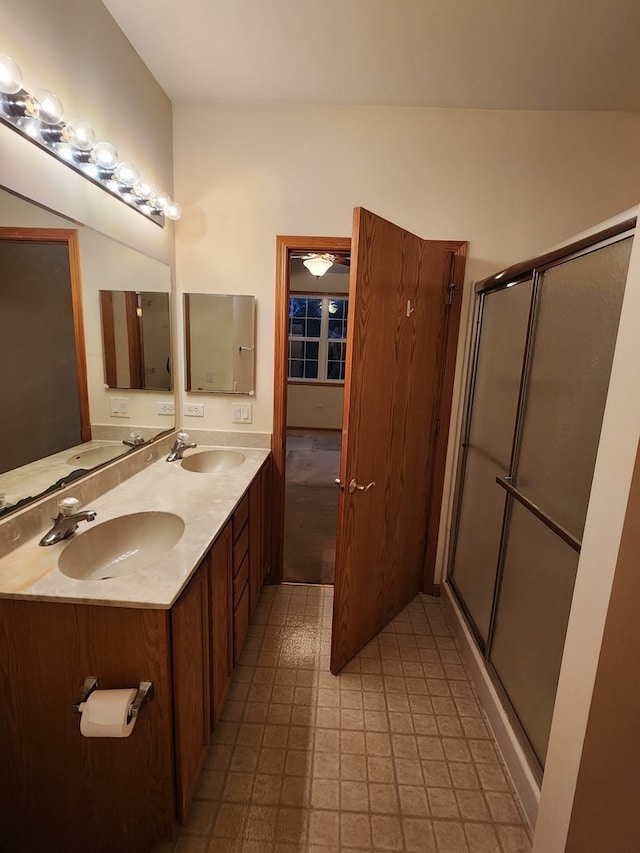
(356, 487)
(338, 482)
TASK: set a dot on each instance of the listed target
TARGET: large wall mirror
(59, 418)
(220, 343)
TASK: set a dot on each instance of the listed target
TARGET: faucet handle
(68, 506)
(183, 436)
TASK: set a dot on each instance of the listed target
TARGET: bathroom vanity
(179, 623)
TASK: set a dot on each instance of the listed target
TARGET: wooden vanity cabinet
(190, 647)
(127, 792)
(220, 567)
(259, 533)
(240, 526)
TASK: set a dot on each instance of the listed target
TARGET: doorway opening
(309, 382)
(404, 307)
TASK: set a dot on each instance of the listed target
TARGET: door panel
(395, 349)
(531, 621)
(487, 448)
(575, 335)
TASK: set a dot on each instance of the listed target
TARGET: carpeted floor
(311, 506)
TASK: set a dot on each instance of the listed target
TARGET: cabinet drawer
(240, 516)
(240, 580)
(240, 623)
(240, 548)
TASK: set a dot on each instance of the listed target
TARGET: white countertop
(203, 501)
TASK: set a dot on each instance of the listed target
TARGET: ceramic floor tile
(392, 754)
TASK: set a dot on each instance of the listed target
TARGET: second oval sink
(120, 546)
(211, 461)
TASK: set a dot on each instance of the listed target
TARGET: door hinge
(452, 288)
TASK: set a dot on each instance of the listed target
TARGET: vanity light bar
(38, 116)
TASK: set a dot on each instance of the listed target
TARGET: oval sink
(96, 456)
(120, 546)
(211, 461)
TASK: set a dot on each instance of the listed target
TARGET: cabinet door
(191, 686)
(221, 609)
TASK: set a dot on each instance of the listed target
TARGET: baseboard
(514, 757)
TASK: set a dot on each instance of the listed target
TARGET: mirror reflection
(58, 420)
(220, 343)
(136, 340)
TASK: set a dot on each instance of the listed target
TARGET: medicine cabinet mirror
(220, 343)
(136, 340)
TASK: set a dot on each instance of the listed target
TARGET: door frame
(285, 246)
(68, 237)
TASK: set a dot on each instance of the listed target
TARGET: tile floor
(393, 754)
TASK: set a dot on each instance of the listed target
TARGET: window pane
(296, 327)
(337, 308)
(295, 368)
(296, 349)
(311, 370)
(336, 352)
(311, 350)
(337, 328)
(297, 306)
(314, 307)
(313, 328)
(335, 370)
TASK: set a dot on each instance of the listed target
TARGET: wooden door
(399, 328)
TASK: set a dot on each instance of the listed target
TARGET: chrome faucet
(66, 522)
(179, 447)
(134, 440)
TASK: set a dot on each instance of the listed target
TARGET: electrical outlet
(166, 409)
(194, 410)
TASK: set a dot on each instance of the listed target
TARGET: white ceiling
(488, 54)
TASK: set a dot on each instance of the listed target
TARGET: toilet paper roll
(106, 713)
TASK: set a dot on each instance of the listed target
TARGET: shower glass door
(532, 505)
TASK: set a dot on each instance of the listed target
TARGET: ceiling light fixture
(319, 264)
(38, 116)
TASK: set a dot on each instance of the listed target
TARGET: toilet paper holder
(144, 694)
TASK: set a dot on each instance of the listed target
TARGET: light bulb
(45, 106)
(173, 210)
(105, 156)
(10, 76)
(30, 127)
(126, 174)
(162, 201)
(79, 135)
(143, 188)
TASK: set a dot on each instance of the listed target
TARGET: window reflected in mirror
(219, 343)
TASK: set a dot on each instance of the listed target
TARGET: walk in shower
(544, 342)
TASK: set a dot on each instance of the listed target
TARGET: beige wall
(512, 183)
(74, 48)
